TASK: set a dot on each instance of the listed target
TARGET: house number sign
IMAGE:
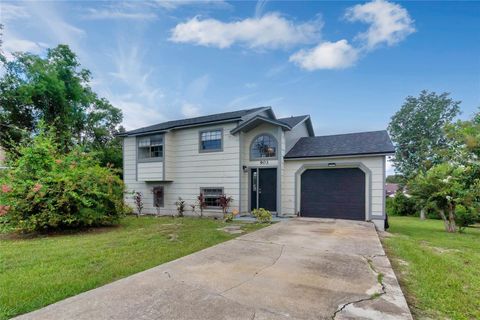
(263, 161)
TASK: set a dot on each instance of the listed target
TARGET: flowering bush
(46, 189)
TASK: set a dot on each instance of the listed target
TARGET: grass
(439, 272)
(38, 271)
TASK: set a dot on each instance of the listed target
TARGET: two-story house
(260, 161)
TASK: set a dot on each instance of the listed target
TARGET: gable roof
(255, 121)
(213, 118)
(360, 143)
(294, 121)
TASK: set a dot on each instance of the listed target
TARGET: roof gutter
(126, 134)
(351, 155)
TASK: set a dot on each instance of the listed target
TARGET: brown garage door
(333, 193)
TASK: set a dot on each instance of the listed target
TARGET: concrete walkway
(296, 269)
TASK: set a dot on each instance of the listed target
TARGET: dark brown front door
(333, 193)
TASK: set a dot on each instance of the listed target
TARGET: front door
(263, 188)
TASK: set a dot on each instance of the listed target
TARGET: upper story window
(150, 148)
(211, 140)
(263, 146)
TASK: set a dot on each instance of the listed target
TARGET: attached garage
(333, 193)
(339, 177)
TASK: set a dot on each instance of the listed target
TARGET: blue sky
(349, 65)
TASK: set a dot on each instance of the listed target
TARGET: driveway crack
(258, 271)
(258, 241)
(220, 294)
(374, 296)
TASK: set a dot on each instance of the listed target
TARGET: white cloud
(174, 4)
(326, 55)
(390, 23)
(114, 13)
(260, 7)
(49, 22)
(134, 93)
(10, 11)
(269, 31)
(127, 59)
(12, 44)
(190, 110)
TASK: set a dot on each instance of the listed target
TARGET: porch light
(332, 164)
(244, 168)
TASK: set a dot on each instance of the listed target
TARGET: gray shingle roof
(342, 144)
(193, 121)
(293, 121)
(255, 121)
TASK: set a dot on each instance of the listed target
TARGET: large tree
(446, 187)
(464, 151)
(56, 90)
(418, 131)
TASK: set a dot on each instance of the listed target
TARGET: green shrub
(262, 215)
(389, 205)
(465, 217)
(229, 217)
(47, 189)
(401, 205)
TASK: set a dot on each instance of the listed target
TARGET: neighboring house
(260, 161)
(391, 189)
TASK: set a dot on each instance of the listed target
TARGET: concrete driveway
(296, 269)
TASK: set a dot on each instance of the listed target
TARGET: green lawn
(38, 271)
(439, 272)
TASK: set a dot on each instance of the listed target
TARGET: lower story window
(212, 196)
(158, 196)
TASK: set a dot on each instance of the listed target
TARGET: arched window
(263, 146)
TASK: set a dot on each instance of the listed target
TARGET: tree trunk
(422, 214)
(451, 219)
(445, 221)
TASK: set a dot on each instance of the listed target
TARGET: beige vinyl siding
(150, 171)
(292, 136)
(281, 168)
(190, 170)
(193, 169)
(374, 164)
(168, 156)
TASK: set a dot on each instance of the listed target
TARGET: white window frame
(202, 132)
